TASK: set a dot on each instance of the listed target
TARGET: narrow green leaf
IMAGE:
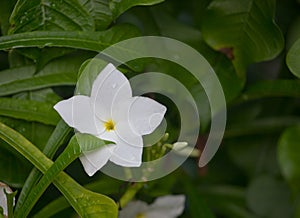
(78, 144)
(94, 41)
(293, 58)
(59, 136)
(261, 126)
(244, 30)
(42, 95)
(13, 74)
(35, 15)
(289, 157)
(272, 88)
(37, 82)
(28, 110)
(85, 202)
(105, 186)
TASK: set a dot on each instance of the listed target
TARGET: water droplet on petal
(114, 85)
(176, 57)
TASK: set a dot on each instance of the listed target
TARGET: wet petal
(127, 155)
(122, 127)
(109, 136)
(95, 160)
(127, 135)
(77, 113)
(168, 206)
(145, 115)
(111, 84)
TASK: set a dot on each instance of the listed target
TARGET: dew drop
(114, 85)
(176, 57)
(48, 44)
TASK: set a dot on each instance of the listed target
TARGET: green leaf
(105, 186)
(55, 15)
(59, 136)
(85, 202)
(198, 206)
(94, 41)
(269, 197)
(38, 82)
(78, 144)
(88, 72)
(99, 10)
(170, 27)
(28, 110)
(292, 58)
(227, 200)
(58, 72)
(105, 12)
(14, 170)
(289, 157)
(13, 74)
(293, 33)
(42, 95)
(261, 126)
(118, 7)
(43, 56)
(253, 155)
(244, 30)
(5, 11)
(271, 88)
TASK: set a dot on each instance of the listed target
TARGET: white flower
(3, 199)
(112, 114)
(169, 206)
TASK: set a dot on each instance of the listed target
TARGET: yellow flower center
(140, 215)
(109, 125)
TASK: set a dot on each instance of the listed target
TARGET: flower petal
(123, 128)
(127, 135)
(94, 160)
(132, 209)
(3, 199)
(127, 155)
(111, 84)
(167, 207)
(145, 115)
(77, 113)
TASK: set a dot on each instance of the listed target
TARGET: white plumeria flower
(169, 206)
(112, 114)
(3, 199)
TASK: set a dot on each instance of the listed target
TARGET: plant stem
(130, 193)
